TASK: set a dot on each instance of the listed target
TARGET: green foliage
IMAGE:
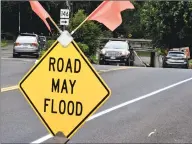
(83, 47)
(107, 34)
(168, 23)
(87, 34)
(93, 59)
(143, 53)
(49, 43)
(3, 43)
(190, 63)
(42, 53)
(131, 21)
(161, 51)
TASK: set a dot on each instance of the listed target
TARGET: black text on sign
(63, 86)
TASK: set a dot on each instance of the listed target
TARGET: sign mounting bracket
(59, 138)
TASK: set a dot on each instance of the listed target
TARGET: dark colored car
(115, 52)
(42, 41)
(175, 59)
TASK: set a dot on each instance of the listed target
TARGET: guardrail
(131, 40)
(148, 49)
(134, 43)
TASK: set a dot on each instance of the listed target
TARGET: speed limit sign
(64, 13)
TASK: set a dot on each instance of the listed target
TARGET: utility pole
(68, 6)
(65, 15)
(63, 25)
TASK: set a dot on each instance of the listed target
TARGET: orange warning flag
(109, 13)
(40, 11)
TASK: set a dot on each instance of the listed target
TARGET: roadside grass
(3, 43)
(42, 53)
(93, 59)
(143, 53)
(190, 63)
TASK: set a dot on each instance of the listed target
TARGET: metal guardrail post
(59, 138)
(139, 58)
(152, 60)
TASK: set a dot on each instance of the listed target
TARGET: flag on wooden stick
(40, 11)
(109, 13)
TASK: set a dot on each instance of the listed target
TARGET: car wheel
(15, 55)
(37, 55)
(186, 67)
(132, 57)
(164, 66)
(101, 62)
(127, 63)
(131, 63)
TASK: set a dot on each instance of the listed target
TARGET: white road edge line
(44, 138)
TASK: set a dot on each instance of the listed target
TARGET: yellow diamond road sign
(64, 89)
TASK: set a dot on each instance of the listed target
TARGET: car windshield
(176, 54)
(116, 45)
(26, 39)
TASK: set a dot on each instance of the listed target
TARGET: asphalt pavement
(163, 117)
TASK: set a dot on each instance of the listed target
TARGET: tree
(131, 21)
(168, 23)
(87, 34)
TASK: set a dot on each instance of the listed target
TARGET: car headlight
(102, 52)
(124, 53)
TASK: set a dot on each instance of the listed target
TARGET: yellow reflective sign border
(93, 70)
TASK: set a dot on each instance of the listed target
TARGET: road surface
(147, 105)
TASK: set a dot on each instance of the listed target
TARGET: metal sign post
(58, 138)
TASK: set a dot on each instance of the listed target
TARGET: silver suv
(26, 45)
(176, 59)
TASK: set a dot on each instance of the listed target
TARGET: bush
(190, 63)
(42, 53)
(161, 51)
(87, 34)
(107, 34)
(3, 43)
(49, 43)
(83, 47)
(93, 59)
